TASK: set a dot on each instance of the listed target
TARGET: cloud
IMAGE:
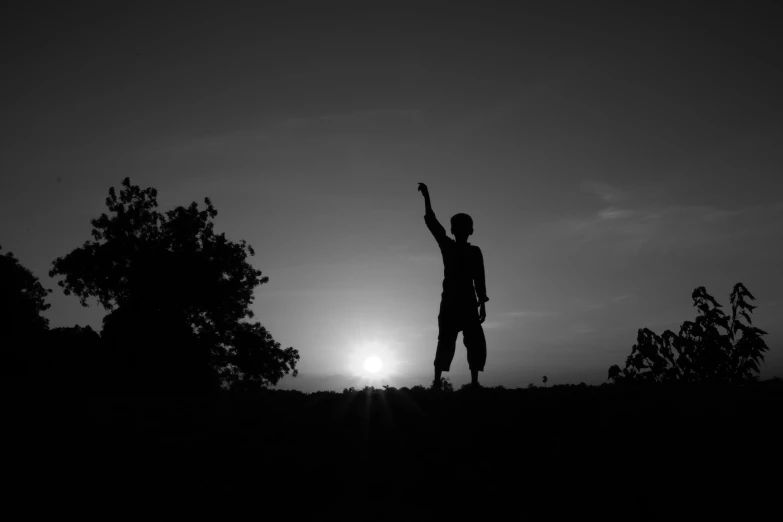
(665, 228)
(581, 328)
(614, 213)
(579, 304)
(278, 133)
(492, 325)
(607, 192)
(354, 117)
(529, 314)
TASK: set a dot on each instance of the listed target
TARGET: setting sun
(373, 364)
(372, 361)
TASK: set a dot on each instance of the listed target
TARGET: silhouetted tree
(22, 297)
(714, 348)
(72, 358)
(544, 380)
(255, 360)
(176, 292)
(22, 300)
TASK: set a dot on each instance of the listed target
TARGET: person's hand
(424, 190)
(482, 313)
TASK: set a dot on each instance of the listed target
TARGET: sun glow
(373, 362)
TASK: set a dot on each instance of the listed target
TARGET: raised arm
(426, 193)
(429, 216)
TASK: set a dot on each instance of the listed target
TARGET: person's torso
(459, 270)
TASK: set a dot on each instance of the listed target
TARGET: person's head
(461, 226)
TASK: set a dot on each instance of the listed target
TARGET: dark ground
(493, 454)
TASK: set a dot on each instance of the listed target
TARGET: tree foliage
(255, 359)
(177, 293)
(716, 347)
(22, 301)
(69, 358)
(22, 297)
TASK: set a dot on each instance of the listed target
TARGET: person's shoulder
(475, 249)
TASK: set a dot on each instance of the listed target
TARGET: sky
(613, 159)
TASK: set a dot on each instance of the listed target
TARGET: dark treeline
(177, 297)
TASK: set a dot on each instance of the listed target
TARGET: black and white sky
(613, 158)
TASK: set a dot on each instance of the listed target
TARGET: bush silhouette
(444, 385)
(177, 295)
(713, 348)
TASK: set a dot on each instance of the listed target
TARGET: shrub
(713, 348)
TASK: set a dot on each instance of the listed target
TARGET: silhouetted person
(462, 304)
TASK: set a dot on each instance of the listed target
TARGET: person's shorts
(456, 317)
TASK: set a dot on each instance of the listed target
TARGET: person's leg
(447, 343)
(476, 344)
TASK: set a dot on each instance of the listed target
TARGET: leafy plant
(716, 347)
(444, 385)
